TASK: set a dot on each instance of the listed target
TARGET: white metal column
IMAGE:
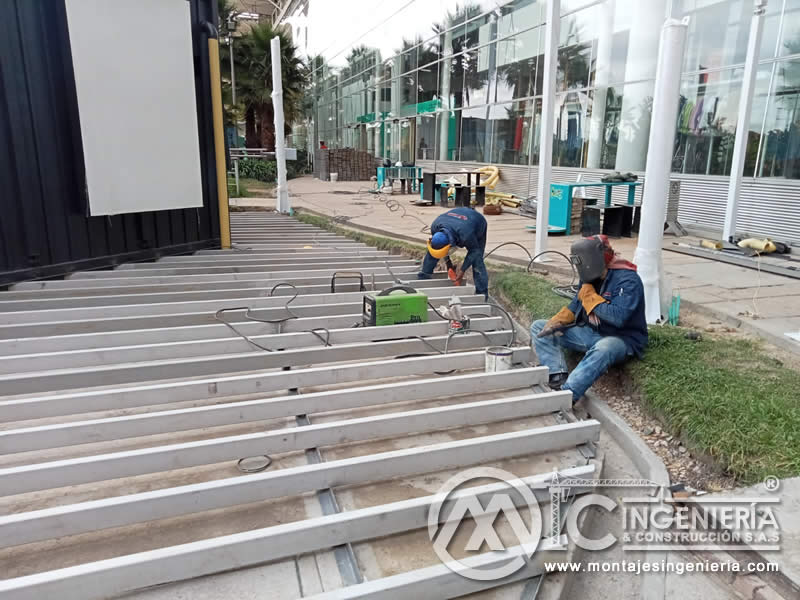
(743, 121)
(659, 162)
(282, 194)
(551, 37)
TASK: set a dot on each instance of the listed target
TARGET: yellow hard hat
(440, 253)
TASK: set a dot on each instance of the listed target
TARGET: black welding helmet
(588, 256)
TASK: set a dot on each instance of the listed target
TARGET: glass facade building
(463, 86)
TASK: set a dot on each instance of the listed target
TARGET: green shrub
(255, 168)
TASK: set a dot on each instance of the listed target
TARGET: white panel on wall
(134, 76)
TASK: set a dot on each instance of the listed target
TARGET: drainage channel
(133, 402)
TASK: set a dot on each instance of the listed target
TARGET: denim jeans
(601, 352)
(479, 274)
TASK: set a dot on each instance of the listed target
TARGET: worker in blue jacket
(462, 227)
(605, 320)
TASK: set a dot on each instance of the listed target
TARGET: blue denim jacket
(623, 315)
(466, 228)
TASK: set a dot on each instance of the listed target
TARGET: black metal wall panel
(44, 227)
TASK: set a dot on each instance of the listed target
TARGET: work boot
(557, 380)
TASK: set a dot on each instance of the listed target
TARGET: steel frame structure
(110, 376)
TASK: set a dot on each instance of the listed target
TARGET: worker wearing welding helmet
(605, 320)
(460, 227)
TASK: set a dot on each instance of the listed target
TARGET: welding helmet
(589, 257)
(439, 245)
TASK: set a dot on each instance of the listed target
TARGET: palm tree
(254, 83)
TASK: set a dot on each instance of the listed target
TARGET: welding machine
(395, 306)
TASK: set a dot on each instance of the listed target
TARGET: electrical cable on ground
(249, 317)
(566, 291)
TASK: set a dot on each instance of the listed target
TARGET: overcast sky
(334, 26)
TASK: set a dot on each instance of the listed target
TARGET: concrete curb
(647, 462)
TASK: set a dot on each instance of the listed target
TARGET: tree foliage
(253, 74)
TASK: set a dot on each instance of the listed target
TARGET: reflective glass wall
(466, 86)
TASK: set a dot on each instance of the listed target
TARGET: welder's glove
(589, 298)
(561, 319)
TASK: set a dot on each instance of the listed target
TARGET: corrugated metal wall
(769, 207)
(44, 230)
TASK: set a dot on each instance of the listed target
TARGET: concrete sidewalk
(763, 303)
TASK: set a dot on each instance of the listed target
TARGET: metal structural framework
(134, 402)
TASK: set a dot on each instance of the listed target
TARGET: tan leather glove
(589, 298)
(561, 319)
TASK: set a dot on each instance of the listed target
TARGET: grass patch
(243, 189)
(723, 397)
(529, 294)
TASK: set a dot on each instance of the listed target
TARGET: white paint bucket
(334, 177)
(498, 358)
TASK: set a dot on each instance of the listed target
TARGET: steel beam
(121, 278)
(100, 430)
(87, 377)
(20, 314)
(281, 316)
(45, 360)
(344, 251)
(216, 331)
(154, 269)
(118, 511)
(443, 581)
(249, 258)
(309, 285)
(218, 388)
(157, 459)
(266, 263)
(41, 301)
(107, 578)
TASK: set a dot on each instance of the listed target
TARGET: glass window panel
(451, 82)
(576, 48)
(474, 143)
(429, 51)
(408, 59)
(719, 29)
(448, 134)
(790, 37)
(537, 131)
(407, 132)
(520, 15)
(478, 78)
(620, 121)
(385, 97)
(481, 31)
(426, 137)
(780, 144)
(510, 130)
(572, 114)
(568, 6)
(518, 60)
(627, 35)
(706, 125)
(408, 90)
(427, 82)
